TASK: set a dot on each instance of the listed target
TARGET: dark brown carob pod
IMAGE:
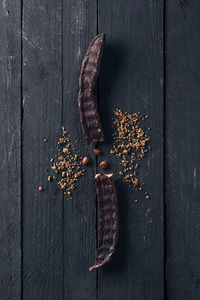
(87, 99)
(107, 218)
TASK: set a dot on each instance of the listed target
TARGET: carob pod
(107, 218)
(87, 99)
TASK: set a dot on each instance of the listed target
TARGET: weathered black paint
(150, 64)
(131, 75)
(182, 149)
(42, 214)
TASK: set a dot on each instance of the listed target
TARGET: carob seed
(87, 99)
(107, 219)
(85, 160)
(103, 164)
(97, 151)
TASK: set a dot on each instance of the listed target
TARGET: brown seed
(40, 188)
(97, 151)
(103, 164)
(85, 160)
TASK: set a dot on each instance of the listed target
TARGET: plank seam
(21, 143)
(164, 155)
(97, 272)
(62, 118)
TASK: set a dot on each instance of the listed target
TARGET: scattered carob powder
(130, 145)
(67, 165)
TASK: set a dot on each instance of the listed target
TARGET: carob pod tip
(107, 219)
(87, 99)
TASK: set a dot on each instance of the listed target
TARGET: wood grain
(79, 28)
(42, 118)
(47, 243)
(182, 149)
(132, 78)
(10, 150)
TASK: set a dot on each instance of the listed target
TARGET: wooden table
(151, 64)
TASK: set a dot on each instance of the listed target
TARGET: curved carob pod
(87, 99)
(107, 218)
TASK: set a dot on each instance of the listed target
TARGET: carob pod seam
(107, 219)
(87, 98)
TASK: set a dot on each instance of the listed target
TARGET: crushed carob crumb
(147, 195)
(130, 145)
(67, 165)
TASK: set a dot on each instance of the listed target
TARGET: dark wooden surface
(150, 64)
(42, 213)
(131, 77)
(182, 150)
(79, 214)
(10, 151)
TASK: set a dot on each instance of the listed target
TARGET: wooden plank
(10, 150)
(79, 27)
(132, 78)
(42, 118)
(182, 149)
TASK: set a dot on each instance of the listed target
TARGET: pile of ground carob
(66, 164)
(130, 144)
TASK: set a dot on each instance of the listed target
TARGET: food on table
(107, 218)
(87, 99)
